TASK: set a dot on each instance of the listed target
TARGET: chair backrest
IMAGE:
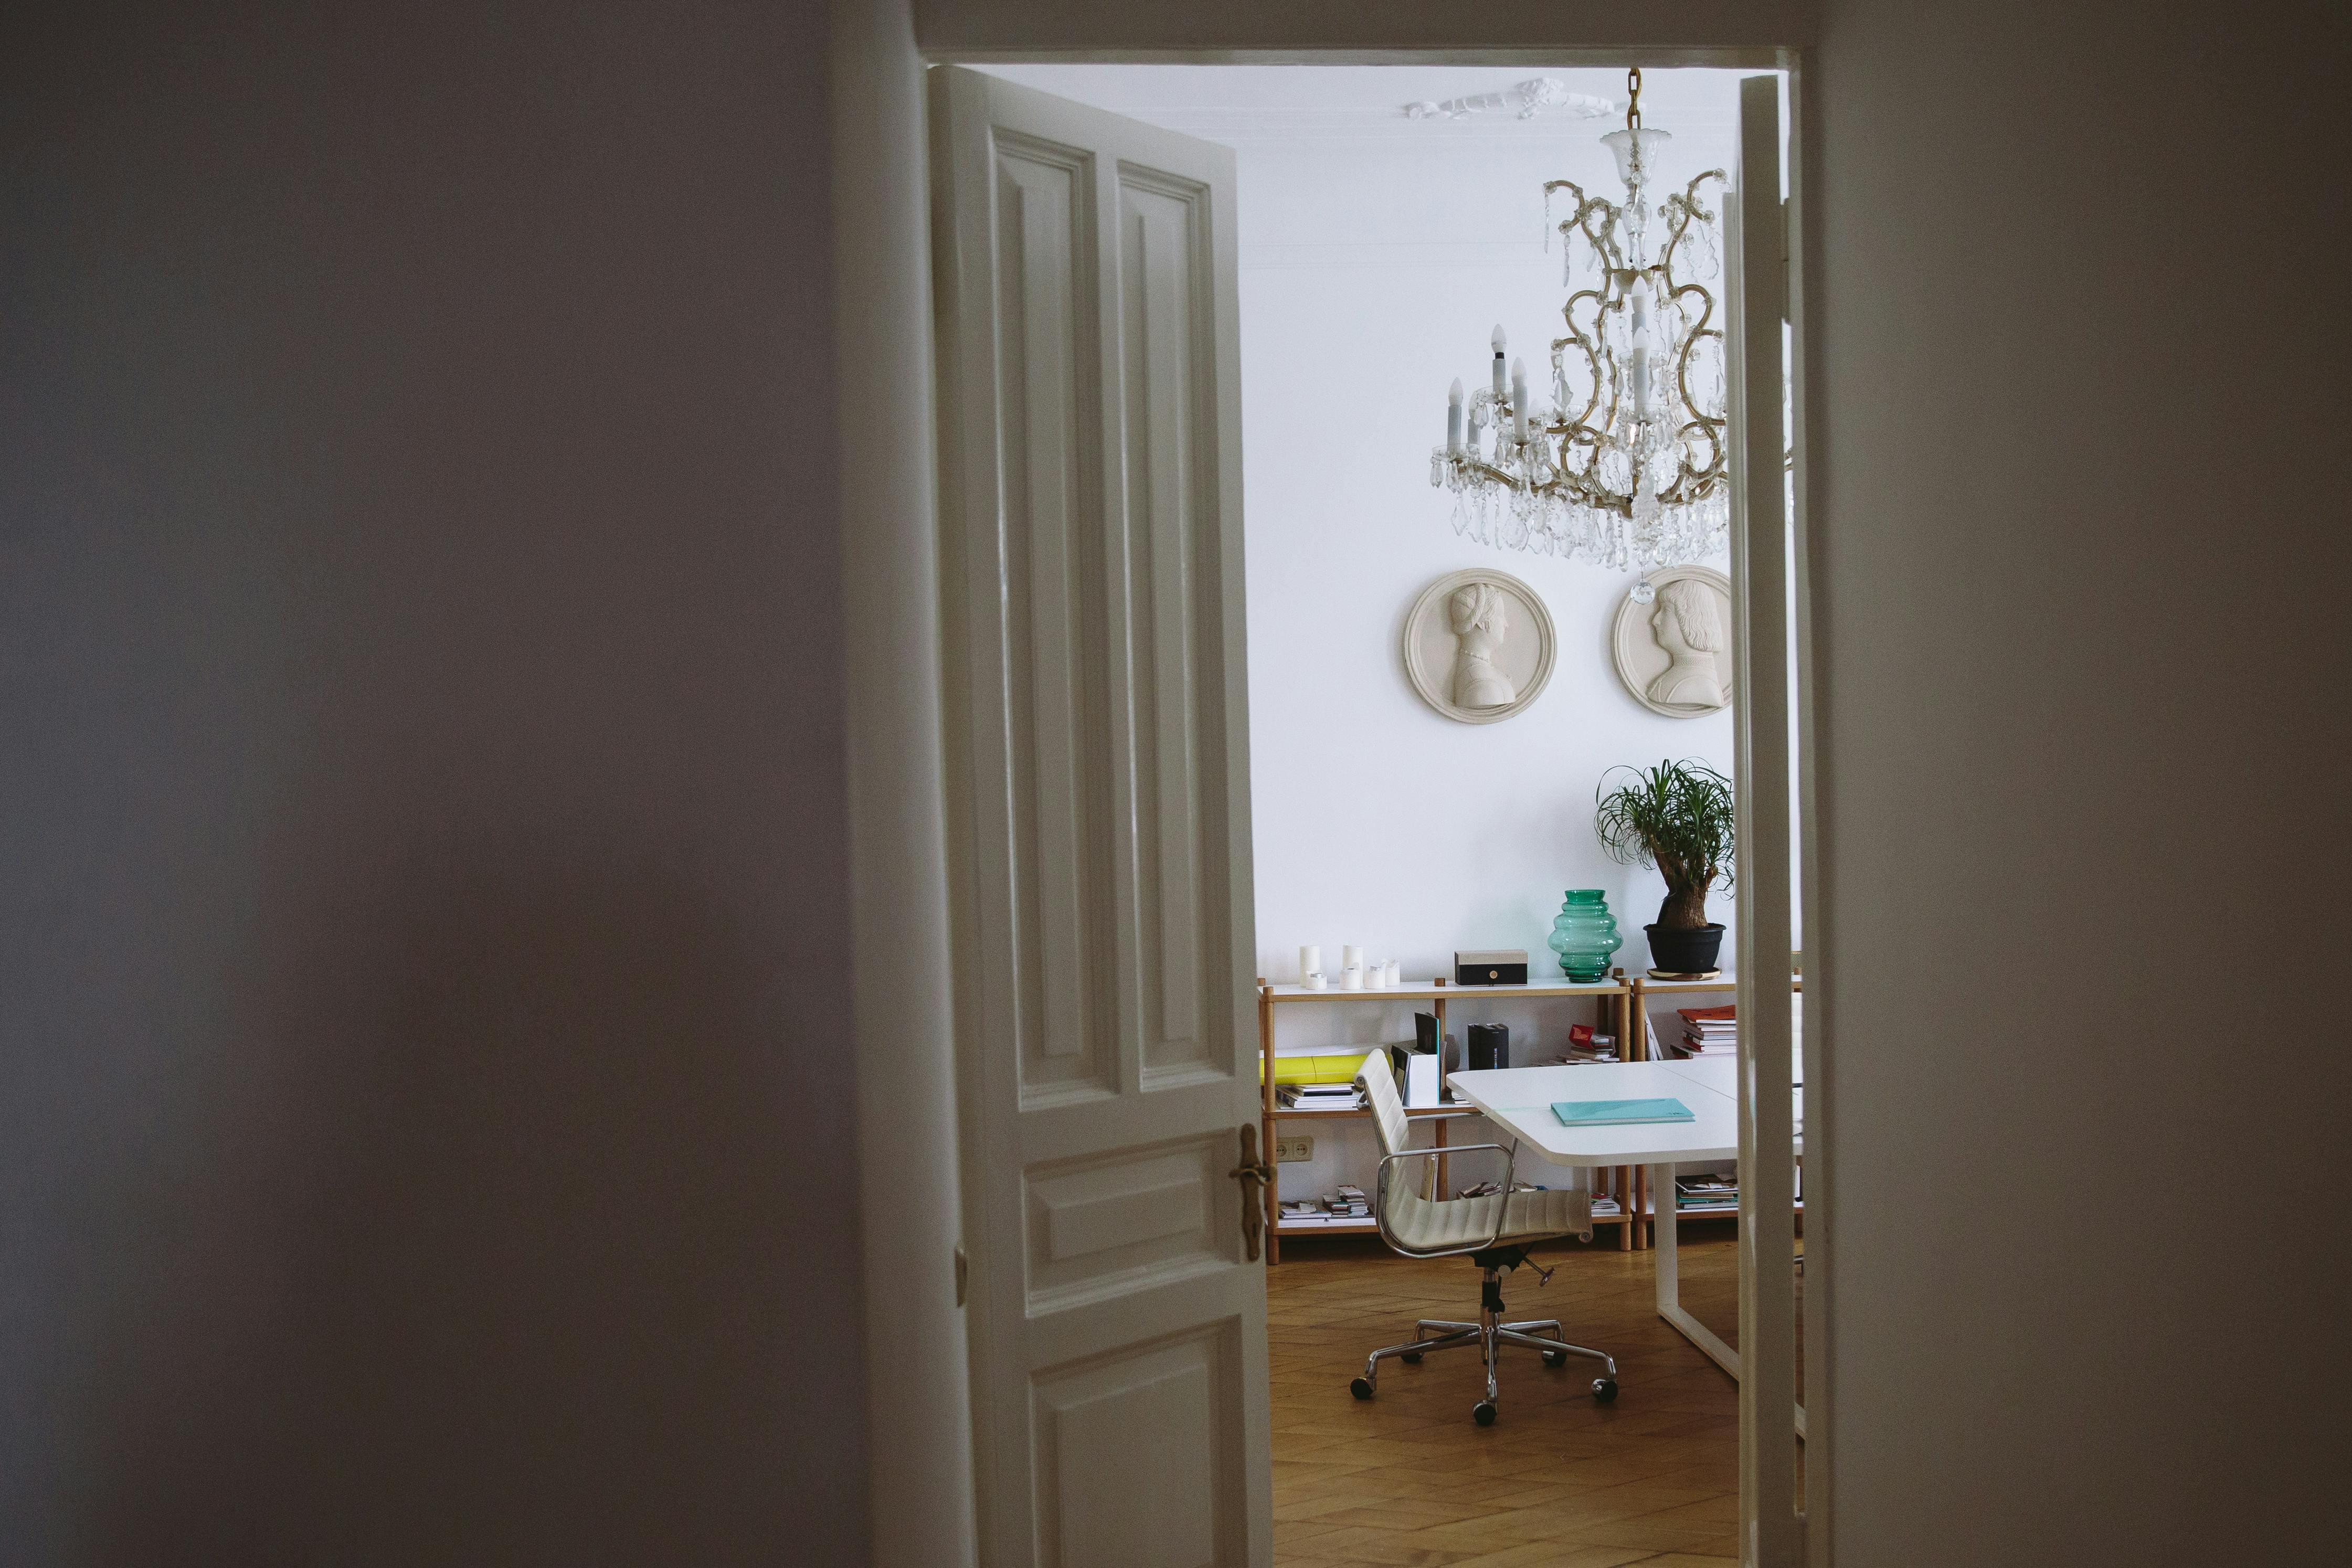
(1377, 1080)
(1395, 1205)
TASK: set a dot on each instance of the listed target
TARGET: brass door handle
(1252, 1173)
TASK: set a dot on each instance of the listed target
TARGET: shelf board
(1369, 1227)
(1427, 991)
(1293, 1113)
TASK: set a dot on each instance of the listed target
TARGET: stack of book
(1586, 1046)
(1709, 1032)
(1346, 1206)
(1320, 1096)
(1706, 1194)
(1605, 1206)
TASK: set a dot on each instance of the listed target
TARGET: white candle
(1520, 400)
(1351, 957)
(1310, 960)
(1395, 975)
(1454, 417)
(1498, 362)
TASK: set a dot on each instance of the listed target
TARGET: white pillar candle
(1351, 977)
(1395, 975)
(1310, 961)
(1454, 417)
(1376, 976)
(1351, 958)
(1498, 362)
(1315, 981)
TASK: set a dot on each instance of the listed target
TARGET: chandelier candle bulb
(1454, 417)
(1519, 401)
(1498, 363)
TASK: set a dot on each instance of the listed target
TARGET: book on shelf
(1605, 1207)
(1716, 1192)
(1319, 1096)
(1586, 1044)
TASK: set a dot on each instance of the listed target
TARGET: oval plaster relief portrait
(1674, 653)
(1478, 645)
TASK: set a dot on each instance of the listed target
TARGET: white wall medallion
(1674, 654)
(1478, 644)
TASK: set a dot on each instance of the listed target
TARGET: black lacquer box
(1492, 966)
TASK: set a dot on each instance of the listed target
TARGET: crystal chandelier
(1626, 468)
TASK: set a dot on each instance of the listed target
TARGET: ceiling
(1258, 102)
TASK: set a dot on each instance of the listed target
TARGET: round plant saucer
(1695, 975)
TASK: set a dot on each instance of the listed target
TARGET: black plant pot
(1684, 952)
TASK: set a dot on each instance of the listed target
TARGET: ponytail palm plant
(1677, 817)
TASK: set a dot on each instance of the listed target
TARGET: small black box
(1491, 966)
(1490, 1047)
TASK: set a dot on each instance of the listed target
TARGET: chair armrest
(1510, 1153)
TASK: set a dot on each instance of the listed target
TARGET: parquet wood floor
(1408, 1480)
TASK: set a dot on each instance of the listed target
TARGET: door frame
(1747, 37)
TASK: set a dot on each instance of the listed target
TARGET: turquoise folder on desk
(1619, 1113)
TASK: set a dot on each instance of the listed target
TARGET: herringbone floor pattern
(1408, 1480)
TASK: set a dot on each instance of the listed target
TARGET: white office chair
(1496, 1232)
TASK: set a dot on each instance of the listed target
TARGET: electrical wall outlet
(1289, 1151)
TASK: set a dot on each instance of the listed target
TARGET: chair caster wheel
(1362, 1388)
(1412, 1358)
(1604, 1389)
(1483, 1412)
(1555, 1358)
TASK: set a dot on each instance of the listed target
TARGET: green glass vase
(1585, 935)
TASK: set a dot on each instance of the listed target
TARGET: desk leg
(1623, 1176)
(1670, 1292)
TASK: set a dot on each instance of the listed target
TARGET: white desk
(1519, 1101)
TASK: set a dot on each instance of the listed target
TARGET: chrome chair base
(1490, 1334)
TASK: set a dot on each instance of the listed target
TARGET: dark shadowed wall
(425, 1109)
(2081, 592)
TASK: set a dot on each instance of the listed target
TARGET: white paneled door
(1091, 565)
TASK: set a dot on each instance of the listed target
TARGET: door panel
(1099, 838)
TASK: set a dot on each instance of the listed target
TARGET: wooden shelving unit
(1630, 1018)
(1617, 992)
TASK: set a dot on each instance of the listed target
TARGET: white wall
(1377, 254)
(1372, 270)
